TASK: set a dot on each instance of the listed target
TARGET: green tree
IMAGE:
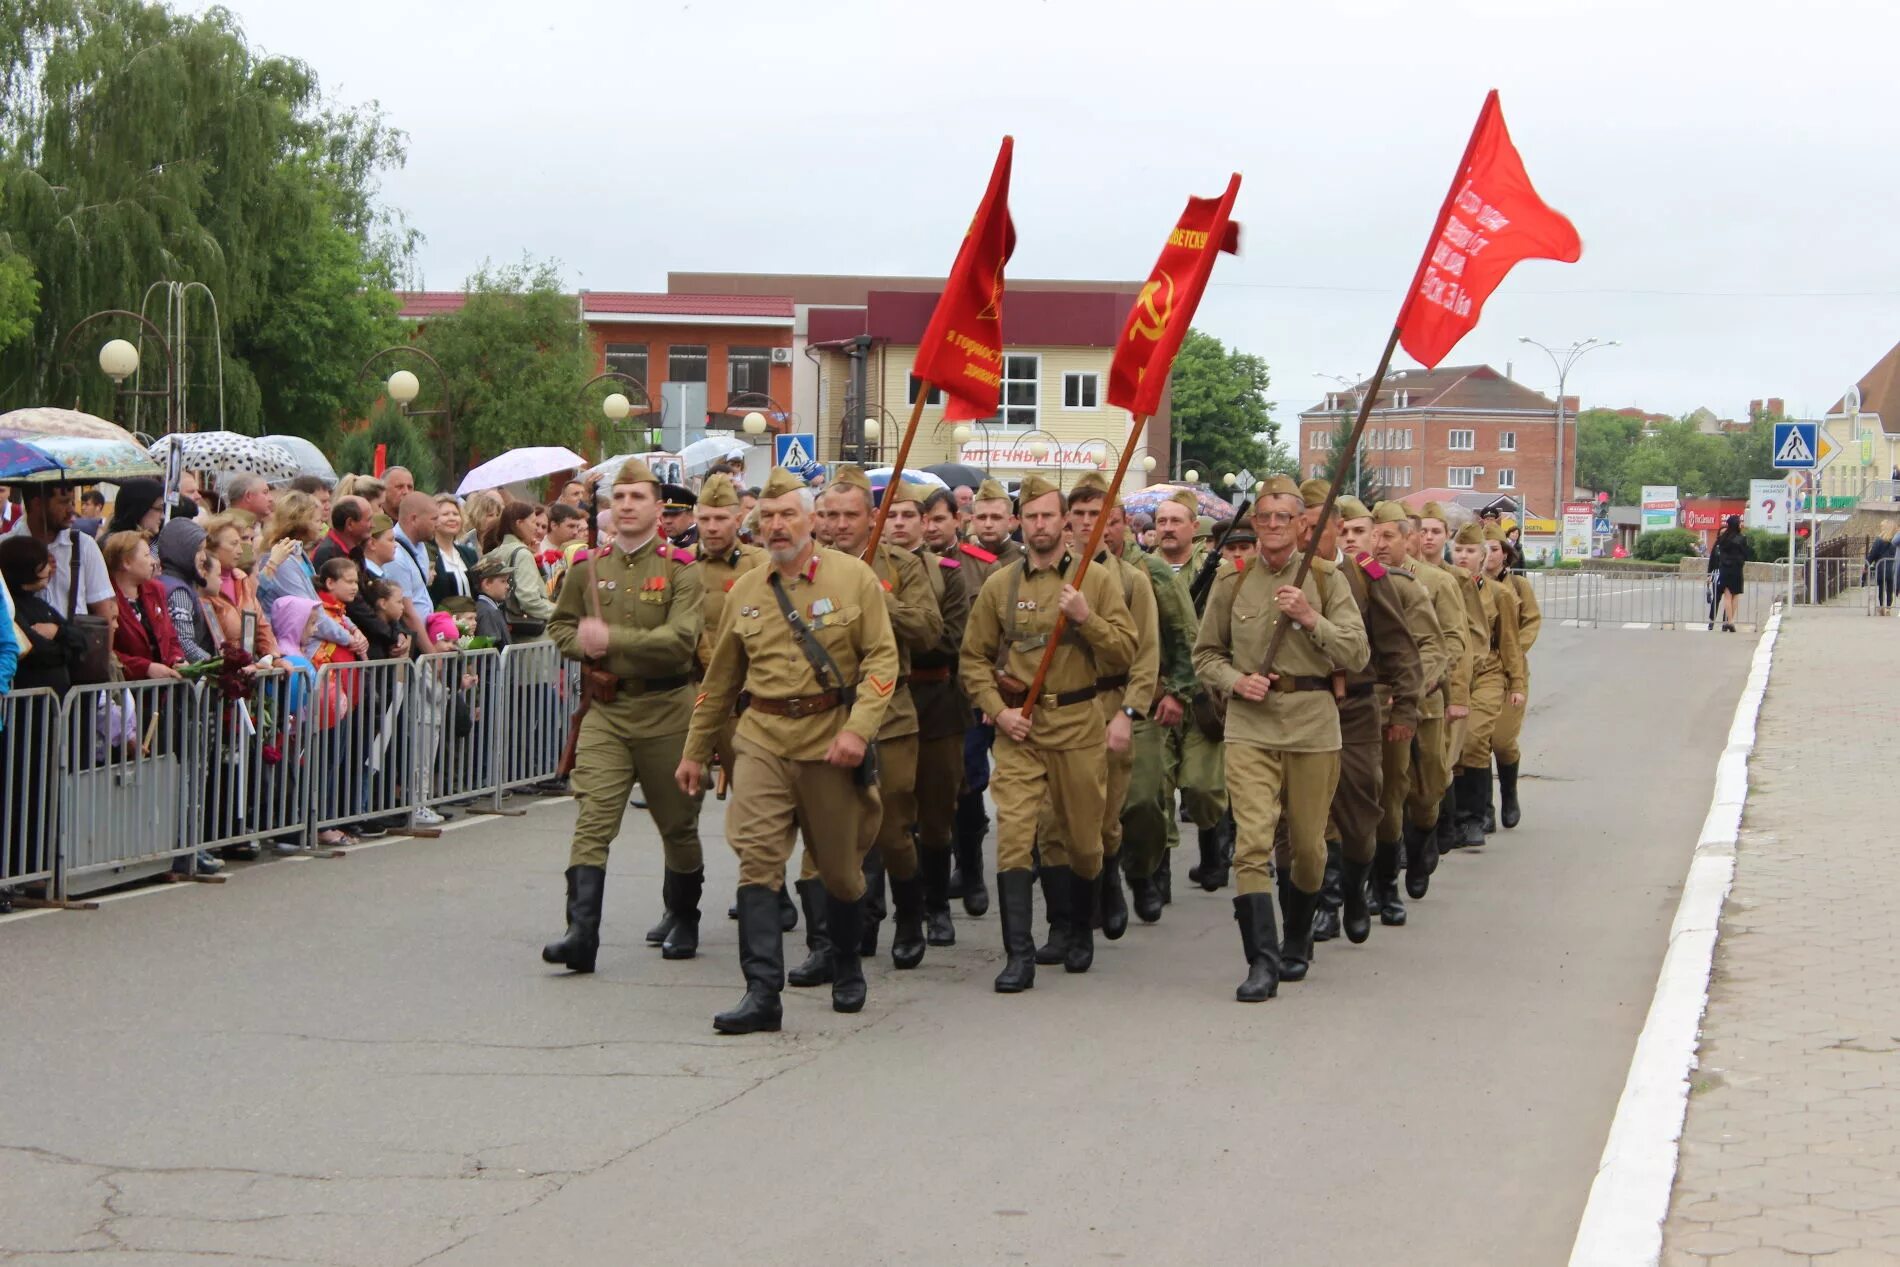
(1367, 486)
(1221, 414)
(405, 444)
(1605, 441)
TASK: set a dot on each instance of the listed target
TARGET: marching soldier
(809, 639)
(1121, 699)
(1497, 670)
(1432, 809)
(942, 712)
(1499, 579)
(992, 519)
(1390, 543)
(1381, 696)
(633, 619)
(918, 624)
(1504, 740)
(1283, 735)
(1057, 752)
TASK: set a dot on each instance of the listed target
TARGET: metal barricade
(29, 823)
(128, 753)
(252, 778)
(458, 712)
(1647, 598)
(362, 751)
(540, 693)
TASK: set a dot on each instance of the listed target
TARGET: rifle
(1203, 582)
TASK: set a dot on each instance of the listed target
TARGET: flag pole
(1094, 544)
(897, 470)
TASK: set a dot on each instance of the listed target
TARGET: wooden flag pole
(1082, 568)
(897, 471)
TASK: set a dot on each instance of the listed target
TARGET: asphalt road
(363, 1061)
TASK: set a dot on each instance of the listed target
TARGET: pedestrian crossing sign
(795, 450)
(1796, 446)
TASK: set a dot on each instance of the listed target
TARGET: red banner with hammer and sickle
(1159, 320)
(962, 348)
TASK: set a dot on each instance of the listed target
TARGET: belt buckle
(1048, 700)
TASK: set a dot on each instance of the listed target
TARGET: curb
(1622, 1222)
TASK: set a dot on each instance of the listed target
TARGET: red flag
(962, 349)
(1492, 218)
(382, 458)
(1159, 320)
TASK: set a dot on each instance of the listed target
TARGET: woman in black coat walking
(1726, 558)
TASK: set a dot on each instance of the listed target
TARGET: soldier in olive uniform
(1504, 740)
(1496, 577)
(1391, 546)
(942, 712)
(632, 613)
(819, 680)
(1431, 808)
(992, 519)
(918, 623)
(1497, 671)
(1056, 751)
(1283, 734)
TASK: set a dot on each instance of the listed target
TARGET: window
(628, 358)
(1405, 438)
(910, 392)
(1507, 442)
(1319, 438)
(1462, 440)
(1507, 478)
(1079, 391)
(747, 370)
(1461, 476)
(1319, 470)
(1398, 477)
(1022, 389)
(686, 364)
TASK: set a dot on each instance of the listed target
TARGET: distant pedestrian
(1883, 557)
(1726, 559)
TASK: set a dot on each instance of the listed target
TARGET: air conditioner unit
(781, 356)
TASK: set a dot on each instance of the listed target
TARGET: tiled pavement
(1791, 1148)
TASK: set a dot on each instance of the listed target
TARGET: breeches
(772, 797)
(607, 763)
(1267, 783)
(1072, 780)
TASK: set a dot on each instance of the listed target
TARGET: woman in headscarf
(181, 561)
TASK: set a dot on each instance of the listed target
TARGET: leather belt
(1111, 683)
(799, 705)
(919, 676)
(1359, 690)
(1061, 699)
(650, 685)
(1286, 684)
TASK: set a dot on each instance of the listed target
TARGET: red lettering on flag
(1159, 320)
(962, 348)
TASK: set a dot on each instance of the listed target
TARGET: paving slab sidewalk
(1791, 1148)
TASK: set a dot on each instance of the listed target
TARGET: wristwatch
(1131, 714)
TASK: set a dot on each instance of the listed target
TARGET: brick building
(1465, 427)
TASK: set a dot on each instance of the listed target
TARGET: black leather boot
(1083, 895)
(1261, 944)
(1470, 785)
(1421, 858)
(1385, 883)
(579, 947)
(1114, 903)
(1208, 839)
(1014, 898)
(934, 866)
(847, 970)
(907, 928)
(656, 936)
(816, 970)
(1490, 806)
(762, 959)
(681, 890)
(1355, 916)
(873, 901)
(1331, 896)
(787, 912)
(1507, 794)
(1296, 948)
(1145, 891)
(1164, 877)
(1057, 885)
(972, 825)
(1449, 836)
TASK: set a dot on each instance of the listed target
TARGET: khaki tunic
(1504, 739)
(719, 576)
(1385, 692)
(942, 712)
(1396, 765)
(977, 563)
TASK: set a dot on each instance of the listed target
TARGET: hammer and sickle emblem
(1155, 321)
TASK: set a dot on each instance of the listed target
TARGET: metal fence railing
(459, 732)
(541, 692)
(254, 761)
(29, 822)
(1657, 598)
(129, 754)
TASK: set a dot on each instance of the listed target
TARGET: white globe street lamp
(1228, 479)
(960, 433)
(1191, 476)
(616, 407)
(872, 429)
(403, 387)
(754, 423)
(119, 359)
(1148, 462)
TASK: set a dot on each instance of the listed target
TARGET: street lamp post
(1563, 359)
(403, 387)
(120, 359)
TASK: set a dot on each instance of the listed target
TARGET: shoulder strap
(72, 589)
(821, 662)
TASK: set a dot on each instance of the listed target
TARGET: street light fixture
(616, 407)
(873, 429)
(119, 359)
(403, 387)
(753, 424)
(1563, 359)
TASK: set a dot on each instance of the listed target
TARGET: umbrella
(666, 466)
(1144, 500)
(518, 465)
(958, 474)
(87, 448)
(882, 476)
(308, 457)
(226, 453)
(700, 454)
(18, 458)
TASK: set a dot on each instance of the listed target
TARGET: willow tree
(137, 145)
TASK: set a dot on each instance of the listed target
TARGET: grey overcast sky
(1729, 165)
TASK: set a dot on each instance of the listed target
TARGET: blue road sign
(795, 450)
(1797, 446)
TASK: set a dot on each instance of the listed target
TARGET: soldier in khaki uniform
(633, 615)
(1391, 546)
(1283, 733)
(1504, 740)
(992, 519)
(1498, 671)
(1498, 579)
(1383, 695)
(1432, 808)
(1057, 752)
(1122, 699)
(942, 712)
(801, 743)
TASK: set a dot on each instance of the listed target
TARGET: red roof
(430, 303)
(778, 307)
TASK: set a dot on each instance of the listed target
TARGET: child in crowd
(337, 582)
(491, 591)
(386, 598)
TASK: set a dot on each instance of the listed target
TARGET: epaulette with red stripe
(977, 552)
(944, 560)
(1369, 565)
(677, 555)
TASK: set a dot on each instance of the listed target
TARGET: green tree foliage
(408, 444)
(1617, 454)
(1367, 486)
(1665, 544)
(140, 145)
(1605, 440)
(1221, 414)
(516, 356)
